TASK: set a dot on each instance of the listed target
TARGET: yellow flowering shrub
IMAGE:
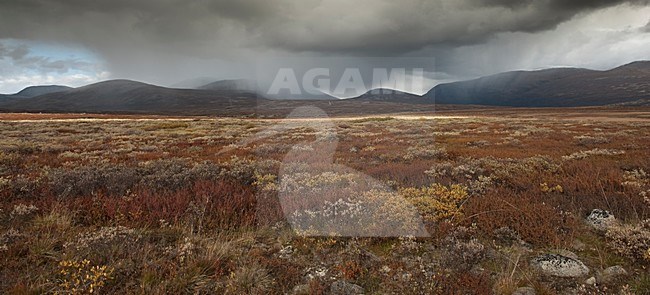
(80, 277)
(544, 187)
(265, 182)
(437, 202)
(390, 214)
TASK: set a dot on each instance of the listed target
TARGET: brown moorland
(158, 205)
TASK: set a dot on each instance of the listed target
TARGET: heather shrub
(245, 169)
(118, 179)
(590, 140)
(467, 169)
(87, 180)
(21, 187)
(534, 220)
(201, 206)
(10, 163)
(445, 282)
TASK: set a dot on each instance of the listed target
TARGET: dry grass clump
(590, 140)
(57, 220)
(631, 240)
(424, 152)
(374, 213)
(251, 279)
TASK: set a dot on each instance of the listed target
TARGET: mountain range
(125, 96)
(557, 87)
(34, 91)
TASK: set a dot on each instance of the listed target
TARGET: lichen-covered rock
(612, 273)
(559, 266)
(344, 288)
(600, 219)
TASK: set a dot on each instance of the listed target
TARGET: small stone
(591, 281)
(600, 219)
(560, 266)
(344, 288)
(524, 291)
(612, 273)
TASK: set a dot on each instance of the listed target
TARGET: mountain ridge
(554, 87)
(130, 96)
(33, 91)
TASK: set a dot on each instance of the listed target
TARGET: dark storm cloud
(547, 14)
(166, 41)
(572, 4)
(296, 25)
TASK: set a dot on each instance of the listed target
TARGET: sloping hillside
(551, 87)
(133, 97)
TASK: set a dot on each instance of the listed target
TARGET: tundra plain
(167, 205)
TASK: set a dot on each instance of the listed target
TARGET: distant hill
(390, 95)
(192, 83)
(34, 91)
(561, 87)
(251, 86)
(242, 85)
(133, 97)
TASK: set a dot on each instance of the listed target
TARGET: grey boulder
(559, 266)
(600, 219)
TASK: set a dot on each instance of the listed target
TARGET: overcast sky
(76, 42)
